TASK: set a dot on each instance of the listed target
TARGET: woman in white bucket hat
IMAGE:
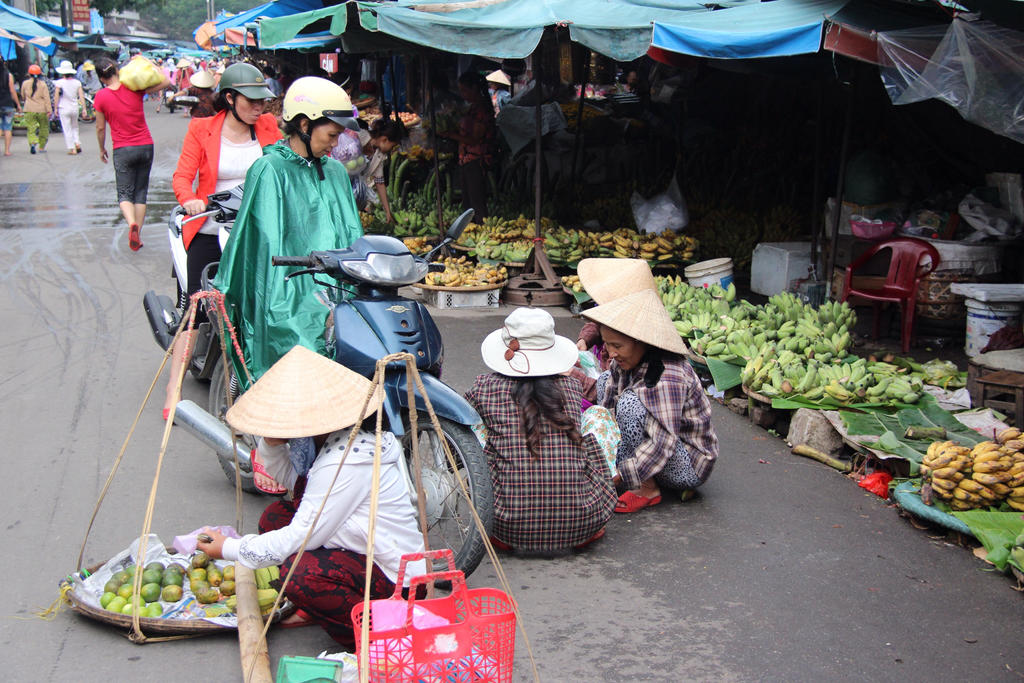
(68, 99)
(552, 484)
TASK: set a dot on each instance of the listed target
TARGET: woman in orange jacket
(215, 156)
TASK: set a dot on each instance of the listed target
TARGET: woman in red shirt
(215, 156)
(133, 145)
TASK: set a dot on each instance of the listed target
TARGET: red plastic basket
(872, 230)
(476, 644)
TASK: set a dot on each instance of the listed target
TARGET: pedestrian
(272, 82)
(384, 136)
(201, 87)
(38, 108)
(552, 483)
(659, 403)
(68, 100)
(306, 406)
(498, 85)
(9, 103)
(215, 157)
(132, 143)
(476, 142)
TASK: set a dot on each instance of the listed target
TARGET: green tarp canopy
(620, 29)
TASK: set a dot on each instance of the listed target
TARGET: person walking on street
(9, 103)
(68, 100)
(133, 145)
(38, 108)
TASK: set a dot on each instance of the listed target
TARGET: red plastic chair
(905, 271)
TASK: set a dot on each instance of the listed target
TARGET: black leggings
(474, 188)
(202, 251)
(131, 172)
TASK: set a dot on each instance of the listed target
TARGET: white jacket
(345, 520)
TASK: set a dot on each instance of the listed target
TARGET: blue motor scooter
(369, 321)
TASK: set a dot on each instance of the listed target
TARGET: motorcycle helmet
(317, 98)
(34, 70)
(245, 79)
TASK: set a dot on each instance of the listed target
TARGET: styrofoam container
(980, 259)
(985, 319)
(776, 265)
(707, 273)
(986, 292)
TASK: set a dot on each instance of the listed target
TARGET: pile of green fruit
(158, 584)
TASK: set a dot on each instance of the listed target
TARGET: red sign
(80, 11)
(329, 62)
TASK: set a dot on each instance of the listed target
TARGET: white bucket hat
(527, 346)
(65, 68)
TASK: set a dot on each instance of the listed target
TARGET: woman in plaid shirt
(658, 401)
(552, 485)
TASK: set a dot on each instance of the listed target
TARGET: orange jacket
(200, 154)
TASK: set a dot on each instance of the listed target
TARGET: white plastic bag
(662, 211)
(987, 220)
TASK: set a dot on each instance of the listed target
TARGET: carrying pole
(252, 645)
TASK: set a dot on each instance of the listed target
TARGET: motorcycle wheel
(450, 522)
(218, 406)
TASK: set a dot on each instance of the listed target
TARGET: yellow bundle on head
(140, 74)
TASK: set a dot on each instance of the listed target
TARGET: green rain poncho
(286, 211)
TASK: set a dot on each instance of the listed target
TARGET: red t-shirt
(122, 109)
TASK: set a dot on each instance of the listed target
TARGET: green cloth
(286, 211)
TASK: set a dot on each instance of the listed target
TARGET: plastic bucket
(984, 319)
(706, 273)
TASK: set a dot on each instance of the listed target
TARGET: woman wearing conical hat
(306, 406)
(658, 402)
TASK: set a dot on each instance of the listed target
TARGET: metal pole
(537, 91)
(428, 87)
(579, 123)
(840, 185)
(816, 225)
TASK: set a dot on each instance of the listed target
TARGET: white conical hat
(608, 279)
(642, 316)
(302, 394)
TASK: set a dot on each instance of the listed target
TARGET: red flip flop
(258, 468)
(500, 545)
(596, 537)
(134, 237)
(298, 619)
(631, 502)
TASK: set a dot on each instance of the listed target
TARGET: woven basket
(935, 297)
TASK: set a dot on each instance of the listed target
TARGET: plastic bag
(589, 364)
(987, 220)
(140, 74)
(662, 211)
(877, 483)
(938, 372)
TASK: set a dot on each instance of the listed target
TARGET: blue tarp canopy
(778, 28)
(275, 8)
(19, 26)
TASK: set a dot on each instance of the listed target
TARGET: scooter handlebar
(307, 261)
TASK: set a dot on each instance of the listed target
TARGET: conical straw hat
(607, 279)
(642, 316)
(302, 394)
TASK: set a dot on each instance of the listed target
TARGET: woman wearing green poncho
(297, 200)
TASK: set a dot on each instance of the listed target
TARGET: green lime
(120, 577)
(153, 610)
(152, 576)
(150, 592)
(155, 566)
(117, 604)
(112, 586)
(125, 591)
(106, 599)
(171, 593)
(172, 579)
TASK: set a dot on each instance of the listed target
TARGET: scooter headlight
(387, 269)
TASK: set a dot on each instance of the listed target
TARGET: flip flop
(500, 545)
(631, 502)
(258, 468)
(298, 619)
(134, 237)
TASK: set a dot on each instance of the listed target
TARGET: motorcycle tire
(218, 407)
(450, 523)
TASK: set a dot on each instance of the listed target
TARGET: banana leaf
(726, 375)
(996, 531)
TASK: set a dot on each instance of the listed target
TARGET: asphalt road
(781, 570)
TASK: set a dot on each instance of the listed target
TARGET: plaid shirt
(677, 408)
(557, 501)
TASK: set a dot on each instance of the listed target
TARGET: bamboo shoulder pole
(251, 643)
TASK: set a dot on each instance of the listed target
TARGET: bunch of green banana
(266, 594)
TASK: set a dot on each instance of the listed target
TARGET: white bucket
(707, 273)
(984, 319)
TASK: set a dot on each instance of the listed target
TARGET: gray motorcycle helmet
(246, 80)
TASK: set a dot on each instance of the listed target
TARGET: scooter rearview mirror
(459, 224)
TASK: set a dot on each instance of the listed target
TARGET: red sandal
(596, 537)
(258, 468)
(631, 502)
(134, 237)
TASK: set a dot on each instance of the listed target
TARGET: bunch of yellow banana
(461, 272)
(945, 466)
(572, 282)
(417, 245)
(666, 246)
(1012, 444)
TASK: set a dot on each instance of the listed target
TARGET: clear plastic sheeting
(977, 67)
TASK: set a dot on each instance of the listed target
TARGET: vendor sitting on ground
(604, 280)
(658, 402)
(552, 484)
(309, 405)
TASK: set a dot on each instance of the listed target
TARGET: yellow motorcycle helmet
(317, 98)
